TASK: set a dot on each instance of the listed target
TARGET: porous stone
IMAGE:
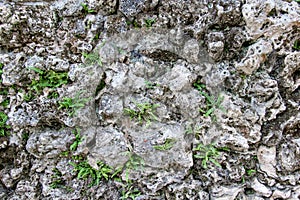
(120, 53)
(292, 64)
(27, 189)
(289, 154)
(283, 194)
(190, 189)
(6, 178)
(256, 55)
(106, 144)
(222, 192)
(49, 143)
(268, 21)
(267, 160)
(132, 8)
(261, 188)
(216, 45)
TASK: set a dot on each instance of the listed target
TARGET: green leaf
(211, 110)
(215, 162)
(41, 72)
(73, 146)
(250, 172)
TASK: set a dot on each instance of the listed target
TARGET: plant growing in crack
(212, 103)
(167, 145)
(72, 105)
(250, 172)
(47, 79)
(78, 139)
(134, 162)
(297, 42)
(143, 112)
(92, 58)
(86, 8)
(207, 153)
(129, 190)
(57, 181)
(149, 22)
(134, 23)
(87, 172)
(151, 85)
(193, 130)
(3, 126)
(5, 99)
(1, 71)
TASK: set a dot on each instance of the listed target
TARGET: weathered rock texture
(120, 55)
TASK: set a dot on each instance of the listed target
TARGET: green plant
(77, 157)
(53, 95)
(4, 93)
(78, 139)
(49, 79)
(5, 103)
(1, 71)
(28, 96)
(3, 125)
(149, 22)
(86, 8)
(151, 85)
(130, 192)
(212, 103)
(134, 23)
(64, 153)
(243, 76)
(72, 105)
(168, 144)
(297, 42)
(25, 136)
(92, 58)
(208, 153)
(143, 112)
(85, 171)
(134, 162)
(57, 181)
(96, 37)
(194, 130)
(250, 172)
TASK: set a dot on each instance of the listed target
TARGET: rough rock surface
(163, 99)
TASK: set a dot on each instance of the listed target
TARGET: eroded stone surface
(267, 160)
(152, 52)
(260, 188)
(49, 143)
(107, 144)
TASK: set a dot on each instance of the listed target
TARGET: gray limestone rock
(260, 188)
(49, 143)
(106, 144)
(222, 192)
(292, 63)
(256, 55)
(123, 54)
(27, 189)
(267, 160)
